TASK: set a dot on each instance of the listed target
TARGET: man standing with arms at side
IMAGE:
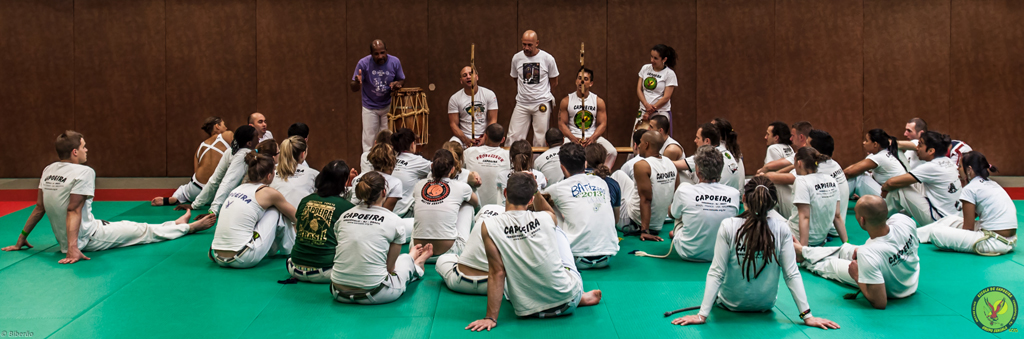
(376, 75)
(536, 73)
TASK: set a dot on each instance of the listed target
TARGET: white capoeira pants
(864, 184)
(520, 122)
(272, 236)
(830, 262)
(608, 147)
(948, 234)
(308, 274)
(913, 201)
(844, 208)
(406, 272)
(592, 262)
(188, 192)
(627, 186)
(447, 266)
(374, 121)
(127, 233)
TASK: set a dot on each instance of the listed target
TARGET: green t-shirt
(315, 240)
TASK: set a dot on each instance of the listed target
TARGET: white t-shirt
(888, 166)
(536, 279)
(473, 255)
(364, 164)
(267, 136)
(654, 83)
(59, 181)
(663, 183)
(627, 167)
(582, 111)
(820, 191)
(991, 203)
(587, 216)
(394, 188)
(238, 218)
(833, 169)
(778, 151)
(502, 184)
(409, 168)
(698, 211)
(532, 74)
(725, 279)
(549, 164)
(732, 174)
(437, 208)
(459, 104)
(912, 160)
(892, 258)
(487, 161)
(298, 186)
(942, 186)
(365, 235)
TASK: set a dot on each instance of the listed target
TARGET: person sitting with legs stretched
(467, 272)
(204, 163)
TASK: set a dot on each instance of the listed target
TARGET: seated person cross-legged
(315, 241)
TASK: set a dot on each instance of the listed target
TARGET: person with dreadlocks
(886, 266)
(521, 160)
(750, 253)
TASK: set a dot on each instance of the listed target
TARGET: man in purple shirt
(383, 74)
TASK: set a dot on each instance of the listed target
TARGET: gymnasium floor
(172, 290)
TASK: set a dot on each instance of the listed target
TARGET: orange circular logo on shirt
(435, 191)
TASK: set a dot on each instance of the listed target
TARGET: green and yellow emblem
(650, 83)
(583, 119)
(994, 309)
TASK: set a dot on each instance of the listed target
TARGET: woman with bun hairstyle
(816, 199)
(882, 161)
(382, 158)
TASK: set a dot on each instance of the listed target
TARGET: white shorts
(188, 192)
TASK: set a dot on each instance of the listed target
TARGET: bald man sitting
(468, 112)
(886, 266)
(376, 75)
(650, 194)
(536, 74)
(259, 122)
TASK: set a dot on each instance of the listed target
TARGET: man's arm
(804, 211)
(563, 120)
(73, 224)
(899, 181)
(906, 145)
(642, 175)
(859, 168)
(357, 80)
(673, 152)
(601, 121)
(837, 222)
(553, 82)
(774, 166)
(780, 178)
(37, 214)
(540, 204)
(453, 123)
(495, 287)
(681, 165)
(874, 293)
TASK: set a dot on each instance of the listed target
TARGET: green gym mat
(172, 290)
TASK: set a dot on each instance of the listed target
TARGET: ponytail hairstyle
(402, 139)
(977, 162)
(729, 136)
(370, 187)
(210, 123)
(268, 148)
(291, 151)
(754, 236)
(456, 148)
(243, 134)
(667, 53)
(887, 142)
(331, 180)
(521, 154)
(383, 137)
(443, 163)
(810, 157)
(382, 157)
(937, 141)
(260, 166)
(596, 154)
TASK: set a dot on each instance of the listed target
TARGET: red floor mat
(101, 194)
(8, 207)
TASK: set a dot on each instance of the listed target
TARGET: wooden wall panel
(561, 27)
(987, 75)
(120, 86)
(819, 69)
(37, 91)
(906, 64)
(211, 71)
(303, 76)
(735, 45)
(497, 39)
(629, 47)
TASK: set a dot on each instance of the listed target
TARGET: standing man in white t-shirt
(547, 162)
(886, 266)
(585, 205)
(461, 105)
(487, 161)
(536, 74)
(66, 190)
(656, 84)
(582, 117)
(654, 180)
(259, 122)
(931, 190)
(529, 260)
(699, 209)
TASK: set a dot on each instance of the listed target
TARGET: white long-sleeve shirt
(725, 279)
(229, 174)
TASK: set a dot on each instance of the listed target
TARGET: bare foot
(203, 223)
(423, 252)
(184, 218)
(159, 201)
(671, 233)
(799, 250)
(590, 298)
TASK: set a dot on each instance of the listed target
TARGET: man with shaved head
(376, 75)
(654, 181)
(259, 122)
(886, 266)
(536, 73)
(466, 112)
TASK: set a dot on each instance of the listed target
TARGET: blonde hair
(382, 157)
(291, 151)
